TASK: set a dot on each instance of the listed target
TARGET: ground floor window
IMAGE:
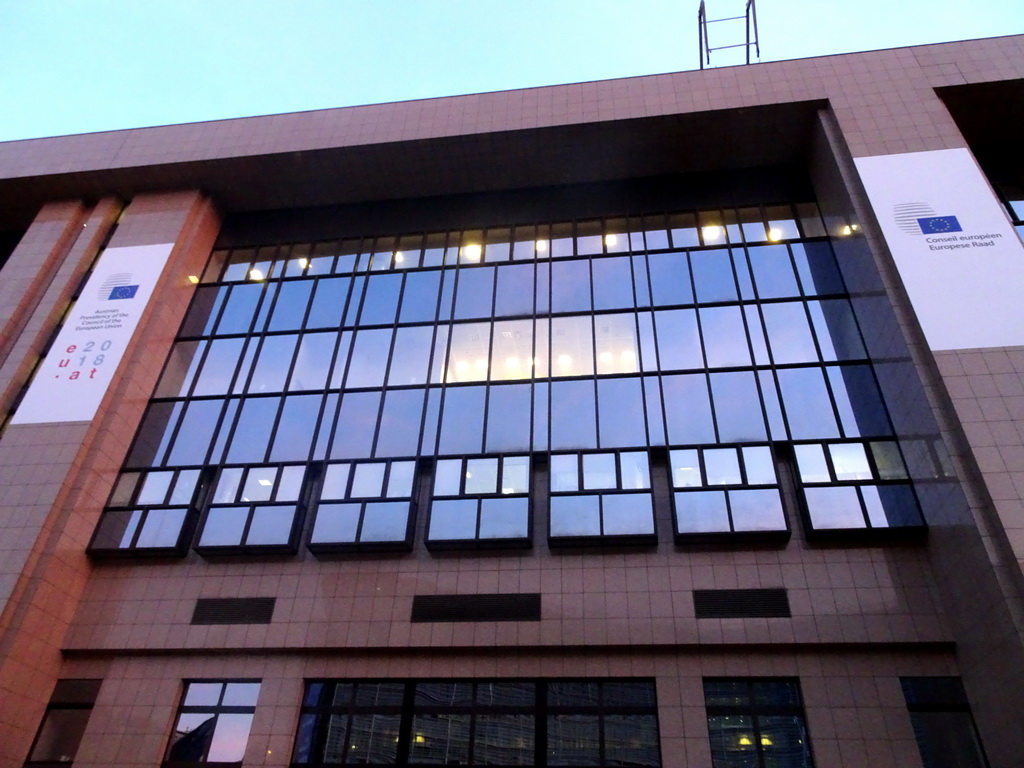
(478, 722)
(213, 723)
(756, 723)
(943, 725)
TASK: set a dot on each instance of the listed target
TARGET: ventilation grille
(741, 603)
(476, 608)
(233, 610)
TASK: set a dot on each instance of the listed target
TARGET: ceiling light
(399, 257)
(711, 233)
(611, 239)
(193, 279)
(847, 230)
(264, 482)
(255, 274)
(472, 252)
(303, 263)
(774, 234)
(542, 245)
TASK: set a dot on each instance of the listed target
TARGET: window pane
(373, 739)
(270, 525)
(712, 275)
(572, 415)
(400, 479)
(381, 300)
(613, 283)
(462, 422)
(850, 461)
(445, 740)
(575, 516)
(670, 279)
(448, 477)
(725, 337)
(328, 302)
(572, 350)
(224, 527)
(273, 363)
(313, 361)
(504, 740)
(60, 735)
(515, 474)
(789, 333)
(335, 481)
(722, 467)
(565, 472)
(470, 349)
(219, 367)
(834, 507)
(757, 510)
(678, 339)
(615, 337)
(290, 306)
(737, 407)
(599, 471)
(634, 470)
(811, 461)
(701, 512)
(481, 475)
(631, 740)
(808, 406)
(368, 480)
(757, 461)
(453, 519)
(400, 423)
(419, 301)
(685, 469)
(196, 431)
(512, 353)
(474, 293)
(627, 514)
(252, 433)
(412, 352)
(369, 358)
(621, 413)
(773, 271)
(504, 518)
(357, 421)
(385, 521)
(515, 290)
(573, 740)
(336, 523)
(570, 286)
(688, 409)
(509, 418)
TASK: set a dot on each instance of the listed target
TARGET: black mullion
(407, 712)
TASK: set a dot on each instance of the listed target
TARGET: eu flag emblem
(939, 225)
(123, 292)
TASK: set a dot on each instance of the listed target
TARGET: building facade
(669, 421)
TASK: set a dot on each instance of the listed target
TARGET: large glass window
(756, 724)
(481, 501)
(478, 722)
(213, 723)
(719, 329)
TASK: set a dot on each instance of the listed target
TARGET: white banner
(956, 249)
(74, 377)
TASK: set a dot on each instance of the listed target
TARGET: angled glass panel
(290, 306)
(369, 358)
(514, 290)
(573, 416)
(419, 297)
(789, 333)
(713, 275)
(725, 337)
(295, 431)
(474, 293)
(509, 418)
(219, 367)
(621, 420)
(670, 279)
(328, 302)
(615, 338)
(313, 361)
(678, 339)
(504, 518)
(773, 271)
(356, 424)
(834, 507)
(453, 519)
(613, 283)
(688, 409)
(385, 521)
(412, 353)
(400, 423)
(462, 420)
(757, 509)
(380, 302)
(270, 525)
(807, 403)
(196, 430)
(275, 359)
(738, 411)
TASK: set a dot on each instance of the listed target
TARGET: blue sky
(74, 66)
